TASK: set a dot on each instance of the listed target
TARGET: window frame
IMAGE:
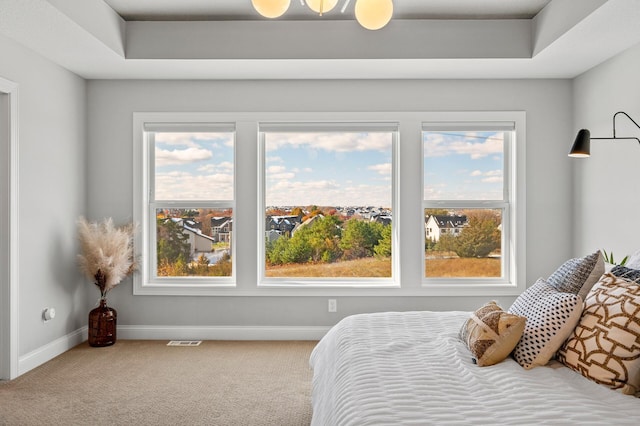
(146, 280)
(328, 127)
(513, 265)
(409, 219)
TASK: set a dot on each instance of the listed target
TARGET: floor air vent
(184, 343)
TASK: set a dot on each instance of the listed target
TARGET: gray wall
(109, 178)
(607, 193)
(52, 148)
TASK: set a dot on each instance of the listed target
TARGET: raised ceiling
(225, 39)
(241, 10)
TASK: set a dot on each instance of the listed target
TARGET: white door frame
(9, 249)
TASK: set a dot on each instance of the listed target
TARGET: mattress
(411, 368)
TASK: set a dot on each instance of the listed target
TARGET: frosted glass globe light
(321, 6)
(271, 8)
(374, 14)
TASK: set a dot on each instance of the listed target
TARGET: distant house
(198, 241)
(307, 222)
(384, 219)
(437, 225)
(221, 229)
(283, 225)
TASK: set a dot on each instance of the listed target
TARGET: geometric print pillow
(578, 275)
(605, 346)
(491, 334)
(551, 317)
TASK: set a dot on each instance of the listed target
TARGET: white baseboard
(149, 332)
(51, 350)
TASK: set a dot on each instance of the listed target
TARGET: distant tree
(446, 242)
(480, 237)
(383, 248)
(432, 212)
(324, 238)
(275, 250)
(359, 237)
(223, 267)
(173, 244)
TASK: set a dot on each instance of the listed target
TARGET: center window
(328, 196)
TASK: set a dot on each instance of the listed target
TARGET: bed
(413, 368)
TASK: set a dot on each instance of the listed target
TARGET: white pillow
(634, 261)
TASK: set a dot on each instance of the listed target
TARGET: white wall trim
(9, 290)
(51, 350)
(150, 332)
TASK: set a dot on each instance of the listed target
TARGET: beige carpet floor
(147, 383)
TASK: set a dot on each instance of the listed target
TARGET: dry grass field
(381, 267)
(462, 267)
(361, 268)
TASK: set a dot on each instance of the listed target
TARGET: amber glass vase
(102, 325)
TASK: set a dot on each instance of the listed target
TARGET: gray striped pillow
(578, 275)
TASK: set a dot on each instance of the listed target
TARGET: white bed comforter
(411, 368)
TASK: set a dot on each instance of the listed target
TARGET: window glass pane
(463, 243)
(193, 165)
(328, 198)
(463, 165)
(194, 242)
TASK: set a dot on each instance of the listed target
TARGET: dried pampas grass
(107, 252)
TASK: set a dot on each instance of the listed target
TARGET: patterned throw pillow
(605, 346)
(626, 273)
(491, 334)
(634, 261)
(551, 317)
(578, 275)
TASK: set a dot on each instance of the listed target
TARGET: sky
(194, 166)
(463, 165)
(330, 168)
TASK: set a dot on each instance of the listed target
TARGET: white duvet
(411, 368)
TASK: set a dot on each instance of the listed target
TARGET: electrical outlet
(48, 314)
(333, 305)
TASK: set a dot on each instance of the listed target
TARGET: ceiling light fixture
(271, 8)
(582, 145)
(371, 14)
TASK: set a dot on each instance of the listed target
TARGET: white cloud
(282, 176)
(492, 176)
(225, 166)
(191, 139)
(327, 193)
(185, 186)
(383, 169)
(440, 145)
(332, 142)
(276, 169)
(181, 156)
(273, 159)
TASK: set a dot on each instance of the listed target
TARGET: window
(329, 203)
(328, 198)
(189, 204)
(467, 202)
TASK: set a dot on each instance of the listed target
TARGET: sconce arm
(614, 125)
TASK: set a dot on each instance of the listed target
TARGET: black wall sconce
(582, 146)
